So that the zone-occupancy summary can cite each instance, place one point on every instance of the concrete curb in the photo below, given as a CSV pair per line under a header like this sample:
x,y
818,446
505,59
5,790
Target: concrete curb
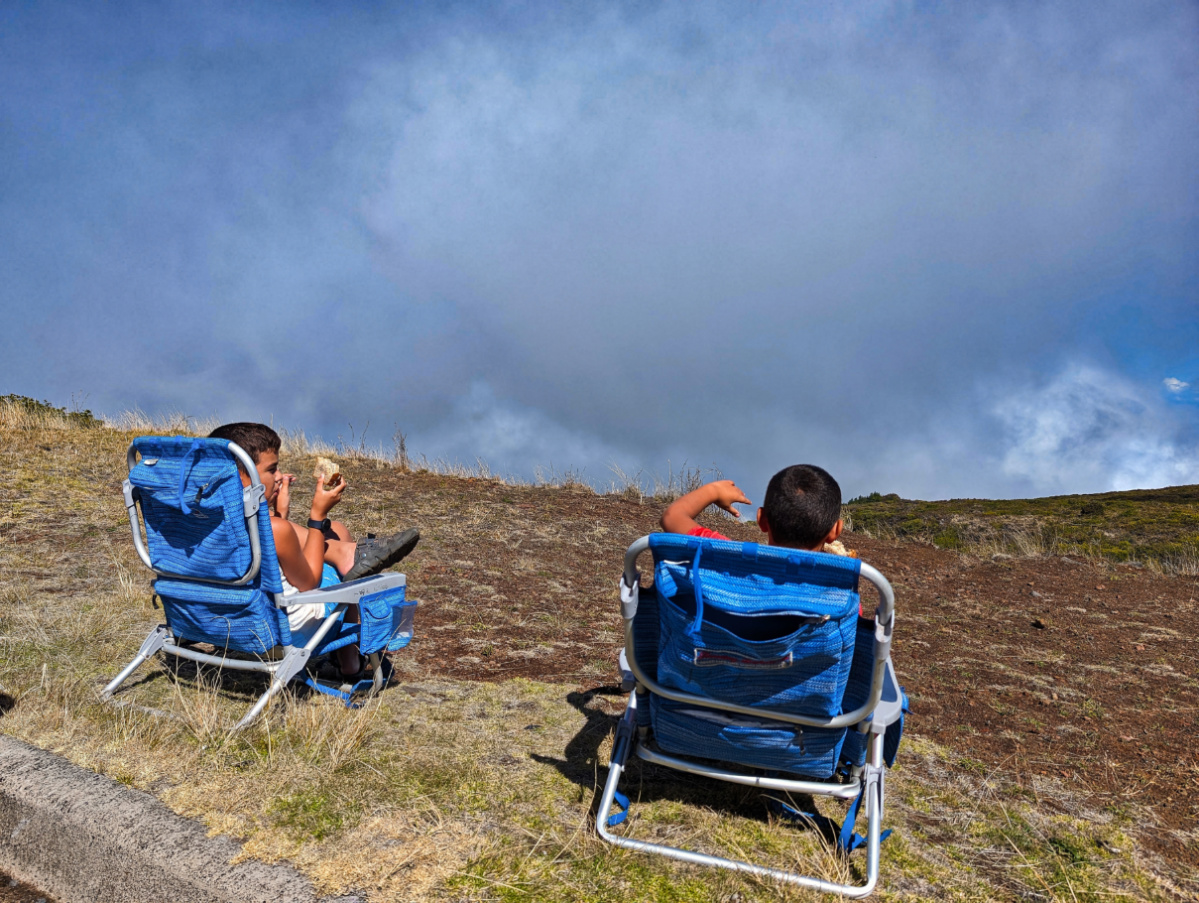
x,y
82,837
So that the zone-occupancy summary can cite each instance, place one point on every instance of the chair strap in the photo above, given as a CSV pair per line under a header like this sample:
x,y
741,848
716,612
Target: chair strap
x,y
623,801
698,590
184,471
850,839
347,698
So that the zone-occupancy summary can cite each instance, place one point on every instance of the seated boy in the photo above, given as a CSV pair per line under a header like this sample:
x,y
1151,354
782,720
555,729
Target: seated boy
x,y
802,509
320,554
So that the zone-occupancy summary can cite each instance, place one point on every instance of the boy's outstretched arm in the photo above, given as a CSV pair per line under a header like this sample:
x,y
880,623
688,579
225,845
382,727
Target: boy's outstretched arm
x,y
302,565
680,516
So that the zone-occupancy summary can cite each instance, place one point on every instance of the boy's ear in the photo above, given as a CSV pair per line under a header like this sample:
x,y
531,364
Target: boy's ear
x,y
763,523
835,532
241,472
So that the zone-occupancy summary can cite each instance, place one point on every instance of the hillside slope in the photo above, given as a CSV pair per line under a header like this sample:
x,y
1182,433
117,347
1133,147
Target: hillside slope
x,y
1154,527
1064,686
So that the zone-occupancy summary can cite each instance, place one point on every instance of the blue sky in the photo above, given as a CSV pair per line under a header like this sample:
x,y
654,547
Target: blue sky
x,y
942,250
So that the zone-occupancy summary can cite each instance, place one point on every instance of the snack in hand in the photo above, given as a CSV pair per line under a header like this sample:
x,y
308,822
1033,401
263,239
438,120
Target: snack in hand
x,y
327,473
838,548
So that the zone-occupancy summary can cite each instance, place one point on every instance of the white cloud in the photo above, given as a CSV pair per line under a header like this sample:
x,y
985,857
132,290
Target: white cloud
x,y
645,232
1174,385
767,222
514,440
1088,430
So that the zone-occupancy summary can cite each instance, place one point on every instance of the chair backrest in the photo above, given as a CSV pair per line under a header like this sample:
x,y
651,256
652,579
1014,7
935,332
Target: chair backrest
x,y
201,527
758,625
765,627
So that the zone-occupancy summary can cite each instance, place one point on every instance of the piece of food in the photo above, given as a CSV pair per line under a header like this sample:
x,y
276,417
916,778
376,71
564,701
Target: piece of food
x,y
838,548
327,473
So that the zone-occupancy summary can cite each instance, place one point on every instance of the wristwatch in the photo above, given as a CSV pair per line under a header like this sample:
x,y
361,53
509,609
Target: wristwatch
x,y
321,525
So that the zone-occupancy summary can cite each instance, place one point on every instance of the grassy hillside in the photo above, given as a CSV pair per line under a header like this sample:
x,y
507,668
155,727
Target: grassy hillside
x,y
1158,528
1048,756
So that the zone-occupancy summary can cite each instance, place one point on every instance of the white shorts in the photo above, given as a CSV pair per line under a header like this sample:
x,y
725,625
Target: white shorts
x,y
306,618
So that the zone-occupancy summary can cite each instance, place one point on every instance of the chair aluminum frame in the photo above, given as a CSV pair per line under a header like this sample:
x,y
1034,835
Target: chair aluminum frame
x,y
294,658
868,779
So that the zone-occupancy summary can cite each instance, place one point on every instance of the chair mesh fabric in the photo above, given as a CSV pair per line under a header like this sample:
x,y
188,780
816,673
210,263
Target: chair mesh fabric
x,y
195,527
383,617
646,631
857,691
241,619
209,543
768,627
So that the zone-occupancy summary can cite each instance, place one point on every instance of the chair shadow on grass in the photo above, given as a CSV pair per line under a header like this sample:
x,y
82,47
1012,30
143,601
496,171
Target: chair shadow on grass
x,y
644,782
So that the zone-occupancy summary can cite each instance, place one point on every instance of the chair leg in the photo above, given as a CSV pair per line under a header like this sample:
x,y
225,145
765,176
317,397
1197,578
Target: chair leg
x,y
622,745
875,776
292,664
375,660
150,646
626,741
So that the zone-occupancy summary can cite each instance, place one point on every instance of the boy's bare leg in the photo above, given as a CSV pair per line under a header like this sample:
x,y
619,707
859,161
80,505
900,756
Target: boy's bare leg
x,y
338,553
347,656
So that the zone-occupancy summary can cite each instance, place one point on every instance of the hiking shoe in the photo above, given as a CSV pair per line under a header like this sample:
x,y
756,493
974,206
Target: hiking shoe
x,y
329,671
374,555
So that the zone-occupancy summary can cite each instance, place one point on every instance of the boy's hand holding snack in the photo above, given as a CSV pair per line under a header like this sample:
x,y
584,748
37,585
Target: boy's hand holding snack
x,y
327,473
329,488
836,547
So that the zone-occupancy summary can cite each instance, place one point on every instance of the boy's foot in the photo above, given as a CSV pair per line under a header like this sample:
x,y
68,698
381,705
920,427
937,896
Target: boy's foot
x,y
374,555
330,672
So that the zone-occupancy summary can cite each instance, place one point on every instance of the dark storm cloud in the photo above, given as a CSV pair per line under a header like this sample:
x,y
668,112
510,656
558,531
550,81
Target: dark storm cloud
x,y
873,236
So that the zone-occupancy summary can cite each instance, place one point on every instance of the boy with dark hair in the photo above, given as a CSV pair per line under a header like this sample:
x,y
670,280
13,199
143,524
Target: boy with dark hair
x,y
802,509
323,552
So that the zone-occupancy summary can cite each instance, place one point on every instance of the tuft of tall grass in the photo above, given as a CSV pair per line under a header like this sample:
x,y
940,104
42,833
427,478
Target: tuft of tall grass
x,y
22,412
168,423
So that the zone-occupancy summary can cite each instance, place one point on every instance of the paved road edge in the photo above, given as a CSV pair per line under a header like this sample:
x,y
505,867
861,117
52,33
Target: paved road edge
x,y
83,837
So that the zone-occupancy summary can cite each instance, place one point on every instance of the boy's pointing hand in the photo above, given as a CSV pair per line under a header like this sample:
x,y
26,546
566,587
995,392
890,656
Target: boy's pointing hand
x,y
727,495
680,516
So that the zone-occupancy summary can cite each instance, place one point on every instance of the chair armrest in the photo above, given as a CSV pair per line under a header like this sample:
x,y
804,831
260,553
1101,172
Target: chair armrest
x,y
344,593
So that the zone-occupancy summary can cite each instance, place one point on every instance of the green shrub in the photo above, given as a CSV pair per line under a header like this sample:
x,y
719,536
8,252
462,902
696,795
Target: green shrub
x,y
39,410
873,497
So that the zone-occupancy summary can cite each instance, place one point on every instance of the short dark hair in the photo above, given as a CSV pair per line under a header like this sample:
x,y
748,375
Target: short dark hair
x,y
802,504
254,438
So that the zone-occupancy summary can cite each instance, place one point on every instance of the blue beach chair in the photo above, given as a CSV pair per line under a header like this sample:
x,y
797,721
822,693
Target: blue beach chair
x,y
750,664
209,541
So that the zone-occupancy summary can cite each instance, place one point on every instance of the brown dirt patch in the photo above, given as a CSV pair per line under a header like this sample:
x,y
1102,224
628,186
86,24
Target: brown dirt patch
x,y
522,582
